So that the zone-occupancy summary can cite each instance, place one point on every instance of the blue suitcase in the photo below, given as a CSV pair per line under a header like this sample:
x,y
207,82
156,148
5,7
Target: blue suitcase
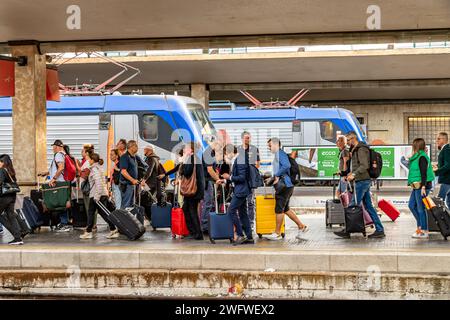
x,y
161,216
220,224
32,215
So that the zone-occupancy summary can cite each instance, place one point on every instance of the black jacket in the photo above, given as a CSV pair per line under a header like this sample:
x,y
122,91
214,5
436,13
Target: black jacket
x,y
187,170
151,176
444,165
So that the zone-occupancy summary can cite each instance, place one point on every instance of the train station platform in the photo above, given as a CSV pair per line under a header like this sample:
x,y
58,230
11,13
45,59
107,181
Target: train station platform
x,y
318,266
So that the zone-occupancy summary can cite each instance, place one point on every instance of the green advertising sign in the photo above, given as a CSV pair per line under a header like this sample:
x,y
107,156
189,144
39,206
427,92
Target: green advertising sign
x,y
388,155
327,161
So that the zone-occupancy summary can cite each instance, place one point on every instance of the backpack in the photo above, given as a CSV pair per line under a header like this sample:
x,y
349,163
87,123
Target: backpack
x,y
254,177
70,170
375,163
294,171
142,167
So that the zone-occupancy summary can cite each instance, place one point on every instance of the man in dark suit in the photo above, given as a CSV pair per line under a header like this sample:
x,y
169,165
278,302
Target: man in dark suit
x,y
240,179
442,170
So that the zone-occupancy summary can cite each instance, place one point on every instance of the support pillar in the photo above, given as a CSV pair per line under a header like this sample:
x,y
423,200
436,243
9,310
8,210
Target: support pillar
x,y
29,116
200,92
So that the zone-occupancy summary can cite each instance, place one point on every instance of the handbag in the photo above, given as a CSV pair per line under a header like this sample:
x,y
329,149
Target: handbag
x,y
188,186
255,178
10,187
280,187
85,187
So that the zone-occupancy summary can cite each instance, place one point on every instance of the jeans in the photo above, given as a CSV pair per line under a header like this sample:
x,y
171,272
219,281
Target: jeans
x,y
190,210
8,216
417,208
208,205
238,204
117,195
444,193
93,209
251,207
64,216
127,197
362,189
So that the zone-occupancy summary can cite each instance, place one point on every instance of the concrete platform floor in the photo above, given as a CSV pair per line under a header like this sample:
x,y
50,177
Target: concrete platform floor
x,y
320,266
318,238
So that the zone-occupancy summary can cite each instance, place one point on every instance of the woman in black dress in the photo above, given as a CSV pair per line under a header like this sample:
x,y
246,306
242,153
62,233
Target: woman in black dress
x,y
190,203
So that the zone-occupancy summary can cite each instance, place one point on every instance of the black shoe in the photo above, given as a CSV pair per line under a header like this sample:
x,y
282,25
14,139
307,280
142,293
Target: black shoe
x,y
200,237
342,234
377,234
16,242
249,241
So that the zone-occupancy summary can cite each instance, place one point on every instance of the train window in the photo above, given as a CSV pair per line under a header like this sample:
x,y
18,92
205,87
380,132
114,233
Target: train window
x,y
149,129
329,131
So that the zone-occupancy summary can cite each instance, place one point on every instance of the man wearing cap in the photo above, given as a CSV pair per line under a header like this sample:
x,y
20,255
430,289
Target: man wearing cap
x,y
56,174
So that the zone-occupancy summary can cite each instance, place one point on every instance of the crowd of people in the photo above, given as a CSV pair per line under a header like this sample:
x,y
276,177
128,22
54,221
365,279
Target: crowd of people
x,y
225,172
353,171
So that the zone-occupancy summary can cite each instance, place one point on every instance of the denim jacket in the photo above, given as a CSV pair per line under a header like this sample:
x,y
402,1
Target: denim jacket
x,y
281,167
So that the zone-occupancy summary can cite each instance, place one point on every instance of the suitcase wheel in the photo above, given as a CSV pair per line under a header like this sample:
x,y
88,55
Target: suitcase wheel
x,y
231,240
154,229
283,235
260,235
328,225
212,241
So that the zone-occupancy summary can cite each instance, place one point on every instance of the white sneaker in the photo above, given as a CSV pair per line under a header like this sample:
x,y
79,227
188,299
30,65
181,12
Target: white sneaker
x,y
415,235
274,237
300,234
423,236
113,234
86,235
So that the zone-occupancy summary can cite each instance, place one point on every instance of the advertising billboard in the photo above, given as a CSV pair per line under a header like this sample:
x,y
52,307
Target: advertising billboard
x,y
320,162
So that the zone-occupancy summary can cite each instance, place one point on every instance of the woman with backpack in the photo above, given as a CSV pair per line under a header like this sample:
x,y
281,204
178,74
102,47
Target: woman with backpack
x,y
98,192
420,179
9,189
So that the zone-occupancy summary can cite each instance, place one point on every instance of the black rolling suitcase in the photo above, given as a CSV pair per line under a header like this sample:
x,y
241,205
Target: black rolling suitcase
x,y
440,214
125,221
334,210
23,223
137,210
78,213
354,219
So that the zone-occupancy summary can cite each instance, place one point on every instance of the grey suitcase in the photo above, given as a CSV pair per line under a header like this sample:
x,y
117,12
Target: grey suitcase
x,y
334,210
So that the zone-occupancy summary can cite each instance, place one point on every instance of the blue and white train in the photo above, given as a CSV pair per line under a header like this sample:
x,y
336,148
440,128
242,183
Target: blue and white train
x,y
148,119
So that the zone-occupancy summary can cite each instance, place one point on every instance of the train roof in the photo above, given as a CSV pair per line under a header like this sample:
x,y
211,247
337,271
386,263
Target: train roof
x,y
96,104
288,114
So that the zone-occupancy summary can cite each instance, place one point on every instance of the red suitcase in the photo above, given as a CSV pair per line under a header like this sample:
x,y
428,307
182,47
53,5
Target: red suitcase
x,y
179,227
388,208
178,221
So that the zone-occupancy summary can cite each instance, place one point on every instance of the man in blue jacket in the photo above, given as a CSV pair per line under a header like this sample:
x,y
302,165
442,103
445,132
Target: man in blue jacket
x,y
240,179
281,169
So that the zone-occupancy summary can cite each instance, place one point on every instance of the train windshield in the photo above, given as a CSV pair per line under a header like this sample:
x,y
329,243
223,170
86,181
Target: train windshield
x,y
201,120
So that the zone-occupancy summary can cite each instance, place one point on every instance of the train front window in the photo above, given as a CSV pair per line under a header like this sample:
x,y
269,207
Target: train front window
x,y
149,127
201,119
329,131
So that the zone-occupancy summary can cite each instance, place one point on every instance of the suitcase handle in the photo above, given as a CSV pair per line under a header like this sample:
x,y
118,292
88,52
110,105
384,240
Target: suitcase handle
x,y
216,200
102,207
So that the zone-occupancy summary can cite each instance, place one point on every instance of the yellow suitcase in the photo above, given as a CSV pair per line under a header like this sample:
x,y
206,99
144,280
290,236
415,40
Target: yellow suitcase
x,y
265,216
